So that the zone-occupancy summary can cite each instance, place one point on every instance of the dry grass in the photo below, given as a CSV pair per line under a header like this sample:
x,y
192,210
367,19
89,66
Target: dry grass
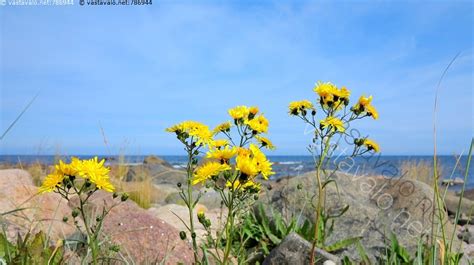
x,y
141,190
419,170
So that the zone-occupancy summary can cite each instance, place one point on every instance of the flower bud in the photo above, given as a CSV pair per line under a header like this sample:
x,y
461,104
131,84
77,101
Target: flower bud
x,y
207,223
115,195
193,235
182,235
179,184
87,183
124,197
114,248
65,219
75,213
313,112
299,186
201,215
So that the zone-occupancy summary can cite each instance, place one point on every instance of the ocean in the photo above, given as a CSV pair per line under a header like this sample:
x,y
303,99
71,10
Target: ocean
x,y
389,166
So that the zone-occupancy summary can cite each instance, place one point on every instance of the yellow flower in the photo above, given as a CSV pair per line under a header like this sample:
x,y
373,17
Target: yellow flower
x,y
97,173
297,107
258,124
208,170
246,165
371,111
263,166
51,182
239,112
265,142
223,155
326,91
218,143
200,132
103,183
71,169
223,127
371,145
343,93
253,110
248,185
331,96
333,123
364,105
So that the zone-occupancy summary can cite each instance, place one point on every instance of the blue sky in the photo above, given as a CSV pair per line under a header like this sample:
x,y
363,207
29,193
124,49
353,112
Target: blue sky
x,y
136,70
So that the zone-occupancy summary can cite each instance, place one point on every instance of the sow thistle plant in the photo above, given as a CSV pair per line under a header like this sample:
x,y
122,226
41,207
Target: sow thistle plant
x,y
232,166
335,116
81,179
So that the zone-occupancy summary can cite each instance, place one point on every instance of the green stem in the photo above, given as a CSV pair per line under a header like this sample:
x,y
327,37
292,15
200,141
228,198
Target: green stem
x,y
320,198
190,203
92,241
228,229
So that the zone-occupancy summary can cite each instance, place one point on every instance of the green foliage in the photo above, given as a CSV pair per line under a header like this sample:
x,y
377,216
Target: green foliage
x,y
259,232
30,249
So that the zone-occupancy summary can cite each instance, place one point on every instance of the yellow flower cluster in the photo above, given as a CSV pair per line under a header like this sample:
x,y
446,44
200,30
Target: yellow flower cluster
x,y
244,164
297,107
331,96
248,116
247,185
364,105
200,132
252,161
92,170
209,170
333,123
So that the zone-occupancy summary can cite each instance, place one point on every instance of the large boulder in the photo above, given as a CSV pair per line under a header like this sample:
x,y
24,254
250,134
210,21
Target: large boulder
x,y
23,210
465,209
209,197
142,237
378,207
160,171
296,250
174,214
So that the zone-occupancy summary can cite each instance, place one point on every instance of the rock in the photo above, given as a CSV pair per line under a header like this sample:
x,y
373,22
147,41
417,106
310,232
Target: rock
x,y
160,171
142,237
452,182
209,197
169,212
466,234
296,250
377,208
41,212
154,160
469,194
451,202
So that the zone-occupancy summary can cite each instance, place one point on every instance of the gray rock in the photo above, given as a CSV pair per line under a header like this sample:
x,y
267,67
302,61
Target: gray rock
x,y
159,170
296,250
377,208
467,234
209,197
451,202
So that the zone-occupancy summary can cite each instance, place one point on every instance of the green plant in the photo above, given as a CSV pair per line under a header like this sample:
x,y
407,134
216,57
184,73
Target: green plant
x,y
79,180
336,118
30,249
232,169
